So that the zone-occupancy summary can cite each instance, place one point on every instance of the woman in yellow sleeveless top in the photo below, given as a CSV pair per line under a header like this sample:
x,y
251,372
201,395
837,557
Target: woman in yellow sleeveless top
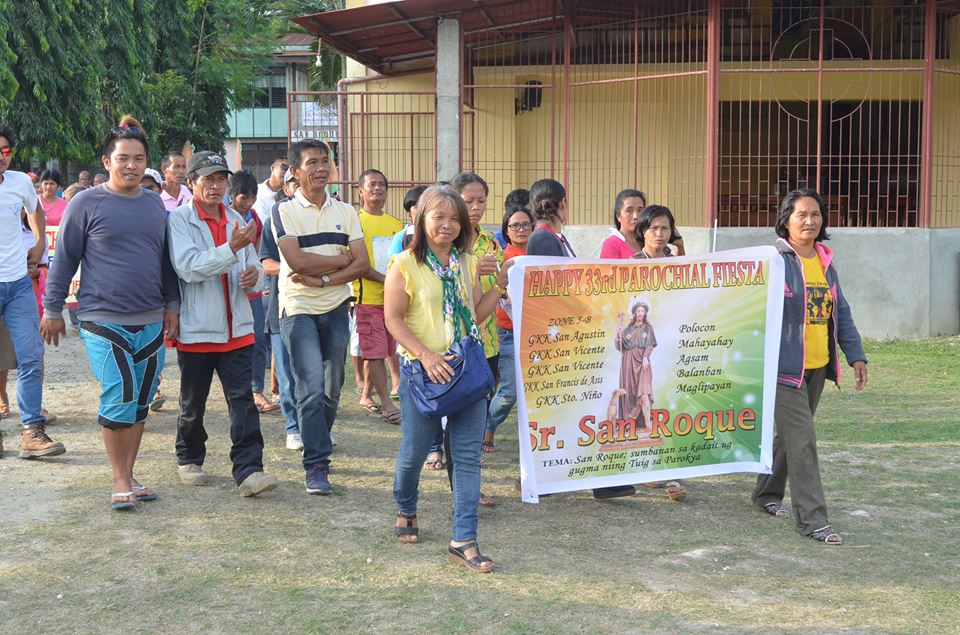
x,y
425,309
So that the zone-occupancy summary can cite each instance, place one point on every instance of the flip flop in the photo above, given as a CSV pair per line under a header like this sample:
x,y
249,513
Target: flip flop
x,y
266,408
372,408
157,403
436,463
391,417
140,491
122,505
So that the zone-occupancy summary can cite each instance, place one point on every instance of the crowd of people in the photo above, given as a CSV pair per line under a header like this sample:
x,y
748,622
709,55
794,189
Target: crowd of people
x,y
238,275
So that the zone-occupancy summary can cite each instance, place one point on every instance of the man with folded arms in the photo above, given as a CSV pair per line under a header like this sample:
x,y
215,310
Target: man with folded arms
x,y
212,253
321,252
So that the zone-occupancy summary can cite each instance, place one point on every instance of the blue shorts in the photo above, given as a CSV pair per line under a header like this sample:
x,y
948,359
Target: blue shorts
x,y
126,360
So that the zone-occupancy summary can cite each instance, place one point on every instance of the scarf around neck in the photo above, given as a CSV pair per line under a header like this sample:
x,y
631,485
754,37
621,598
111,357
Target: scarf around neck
x,y
456,315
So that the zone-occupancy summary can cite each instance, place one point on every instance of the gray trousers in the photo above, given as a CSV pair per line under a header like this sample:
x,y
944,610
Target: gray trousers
x,y
795,454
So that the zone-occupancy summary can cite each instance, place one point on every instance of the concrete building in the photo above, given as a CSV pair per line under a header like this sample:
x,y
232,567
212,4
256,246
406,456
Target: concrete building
x,y
259,132
715,108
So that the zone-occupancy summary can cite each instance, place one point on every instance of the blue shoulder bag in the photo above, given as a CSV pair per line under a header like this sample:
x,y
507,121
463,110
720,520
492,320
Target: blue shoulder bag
x,y
472,378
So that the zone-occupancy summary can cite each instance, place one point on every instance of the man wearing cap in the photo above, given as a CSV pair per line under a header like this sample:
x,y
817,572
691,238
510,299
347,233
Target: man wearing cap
x,y
152,180
212,253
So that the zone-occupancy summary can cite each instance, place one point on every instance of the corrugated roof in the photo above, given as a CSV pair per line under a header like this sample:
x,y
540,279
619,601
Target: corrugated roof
x,y
395,36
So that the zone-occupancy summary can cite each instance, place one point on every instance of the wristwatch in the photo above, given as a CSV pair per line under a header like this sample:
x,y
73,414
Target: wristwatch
x,y
325,279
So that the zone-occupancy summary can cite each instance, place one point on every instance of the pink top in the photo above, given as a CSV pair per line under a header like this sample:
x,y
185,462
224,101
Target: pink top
x,y
53,212
615,247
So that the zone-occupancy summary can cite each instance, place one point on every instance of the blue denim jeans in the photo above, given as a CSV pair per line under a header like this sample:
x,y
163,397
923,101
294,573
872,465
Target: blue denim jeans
x,y
506,396
261,348
18,308
288,397
465,433
314,342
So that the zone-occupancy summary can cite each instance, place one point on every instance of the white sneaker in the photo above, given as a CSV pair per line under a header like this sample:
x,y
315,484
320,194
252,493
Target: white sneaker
x,y
191,474
333,442
294,442
258,483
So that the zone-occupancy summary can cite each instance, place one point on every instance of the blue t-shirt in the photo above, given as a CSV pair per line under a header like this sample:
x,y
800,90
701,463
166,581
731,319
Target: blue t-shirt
x,y
396,245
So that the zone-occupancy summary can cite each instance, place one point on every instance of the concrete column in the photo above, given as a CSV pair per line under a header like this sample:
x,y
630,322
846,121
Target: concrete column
x,y
449,102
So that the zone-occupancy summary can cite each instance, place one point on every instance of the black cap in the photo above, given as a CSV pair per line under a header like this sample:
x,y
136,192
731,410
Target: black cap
x,y
206,163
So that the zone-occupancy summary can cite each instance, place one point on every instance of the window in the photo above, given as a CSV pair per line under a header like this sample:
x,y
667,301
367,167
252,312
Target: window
x,y
271,89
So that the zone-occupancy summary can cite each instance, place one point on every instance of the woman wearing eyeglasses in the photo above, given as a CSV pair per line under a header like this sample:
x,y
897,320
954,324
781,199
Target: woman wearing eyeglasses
x,y
517,226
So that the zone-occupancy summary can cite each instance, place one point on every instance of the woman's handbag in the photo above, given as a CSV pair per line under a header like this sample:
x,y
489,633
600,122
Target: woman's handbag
x,y
472,378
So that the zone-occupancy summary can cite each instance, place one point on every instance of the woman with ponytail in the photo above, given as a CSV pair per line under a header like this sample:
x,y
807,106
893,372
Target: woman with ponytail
x,y
549,201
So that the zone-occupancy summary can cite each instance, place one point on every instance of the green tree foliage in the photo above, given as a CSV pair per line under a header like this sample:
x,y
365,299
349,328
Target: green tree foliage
x,y
70,68
323,76
8,83
128,48
57,44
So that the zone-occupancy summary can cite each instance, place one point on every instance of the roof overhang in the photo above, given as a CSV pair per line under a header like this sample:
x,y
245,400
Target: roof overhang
x,y
391,37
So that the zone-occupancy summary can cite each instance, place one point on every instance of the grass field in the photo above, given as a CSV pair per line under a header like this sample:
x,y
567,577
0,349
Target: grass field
x,y
206,560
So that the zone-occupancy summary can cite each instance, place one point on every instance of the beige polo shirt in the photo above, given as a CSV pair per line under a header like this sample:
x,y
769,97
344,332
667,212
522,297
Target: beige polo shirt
x,y
325,231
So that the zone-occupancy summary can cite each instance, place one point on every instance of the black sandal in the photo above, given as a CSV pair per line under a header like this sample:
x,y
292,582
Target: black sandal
x,y
478,564
827,536
407,533
776,509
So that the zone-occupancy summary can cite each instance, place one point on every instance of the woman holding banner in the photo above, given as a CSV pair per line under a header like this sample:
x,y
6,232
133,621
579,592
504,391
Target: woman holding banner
x,y
622,241
548,198
425,309
656,230
653,227
816,320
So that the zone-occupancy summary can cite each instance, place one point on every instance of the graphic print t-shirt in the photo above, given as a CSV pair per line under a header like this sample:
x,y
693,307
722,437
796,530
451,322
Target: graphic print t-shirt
x,y
819,313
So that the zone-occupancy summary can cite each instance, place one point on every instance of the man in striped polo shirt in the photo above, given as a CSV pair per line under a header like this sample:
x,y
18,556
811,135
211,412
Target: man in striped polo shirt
x,y
321,253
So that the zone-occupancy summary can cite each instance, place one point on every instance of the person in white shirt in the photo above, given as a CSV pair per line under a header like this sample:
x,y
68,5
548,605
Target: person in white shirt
x,y
267,191
18,304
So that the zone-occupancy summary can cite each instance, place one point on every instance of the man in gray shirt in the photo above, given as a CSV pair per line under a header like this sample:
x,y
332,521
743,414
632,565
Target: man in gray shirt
x,y
128,297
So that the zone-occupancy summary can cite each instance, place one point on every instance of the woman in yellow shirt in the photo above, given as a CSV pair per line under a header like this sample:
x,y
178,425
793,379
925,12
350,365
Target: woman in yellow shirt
x,y
816,321
425,309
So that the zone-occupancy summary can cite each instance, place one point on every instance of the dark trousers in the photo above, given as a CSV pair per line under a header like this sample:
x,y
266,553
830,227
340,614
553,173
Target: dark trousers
x,y
234,369
795,454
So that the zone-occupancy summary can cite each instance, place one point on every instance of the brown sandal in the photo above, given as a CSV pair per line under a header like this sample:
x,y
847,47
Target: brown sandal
x,y
487,446
407,533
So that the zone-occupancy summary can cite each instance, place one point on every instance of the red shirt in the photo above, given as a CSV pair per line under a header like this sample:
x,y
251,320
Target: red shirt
x,y
218,229
503,320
